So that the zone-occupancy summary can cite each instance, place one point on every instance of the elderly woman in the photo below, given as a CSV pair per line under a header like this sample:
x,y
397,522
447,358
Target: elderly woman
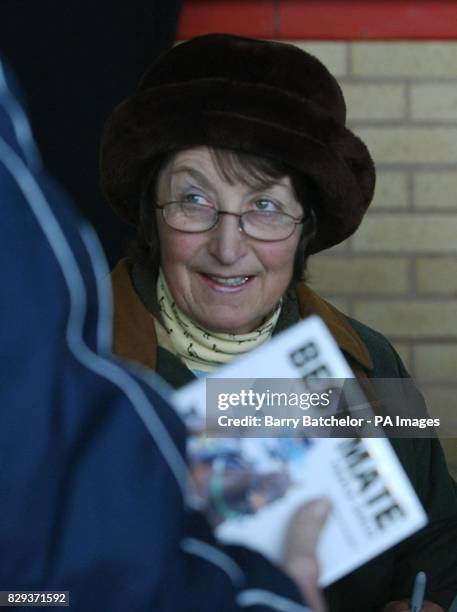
x,y
234,163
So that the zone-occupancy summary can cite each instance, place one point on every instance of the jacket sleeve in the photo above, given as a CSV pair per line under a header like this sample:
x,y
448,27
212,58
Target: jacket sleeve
x,y
92,467
434,548
260,583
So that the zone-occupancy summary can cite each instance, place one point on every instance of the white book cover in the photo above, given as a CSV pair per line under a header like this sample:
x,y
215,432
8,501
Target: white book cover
x,y
249,487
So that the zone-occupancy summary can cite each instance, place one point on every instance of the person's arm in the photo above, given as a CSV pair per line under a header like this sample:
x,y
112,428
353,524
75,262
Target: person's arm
x,y
434,548
295,580
404,605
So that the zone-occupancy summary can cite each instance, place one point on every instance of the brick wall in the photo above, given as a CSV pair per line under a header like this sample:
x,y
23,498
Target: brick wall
x,y
398,273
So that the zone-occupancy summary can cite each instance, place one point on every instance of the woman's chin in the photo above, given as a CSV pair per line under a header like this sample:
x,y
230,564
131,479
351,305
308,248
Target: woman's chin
x,y
229,324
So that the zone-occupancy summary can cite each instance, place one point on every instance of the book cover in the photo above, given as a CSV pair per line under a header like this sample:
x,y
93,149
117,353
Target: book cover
x,y
249,479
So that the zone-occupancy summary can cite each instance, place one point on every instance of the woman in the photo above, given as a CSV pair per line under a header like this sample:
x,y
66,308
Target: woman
x,y
234,163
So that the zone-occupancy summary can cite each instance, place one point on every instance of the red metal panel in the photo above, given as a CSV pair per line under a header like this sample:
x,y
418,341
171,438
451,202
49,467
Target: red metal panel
x,y
358,19
322,19
245,17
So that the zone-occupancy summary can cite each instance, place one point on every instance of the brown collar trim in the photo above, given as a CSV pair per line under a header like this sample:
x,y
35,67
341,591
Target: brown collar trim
x,y
135,337
134,334
345,335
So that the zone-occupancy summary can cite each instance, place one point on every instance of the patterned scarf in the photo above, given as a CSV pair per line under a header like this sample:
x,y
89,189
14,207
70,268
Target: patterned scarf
x,y
199,348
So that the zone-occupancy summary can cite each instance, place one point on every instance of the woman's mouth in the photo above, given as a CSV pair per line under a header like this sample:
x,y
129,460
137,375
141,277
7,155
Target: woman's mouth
x,y
226,283
231,281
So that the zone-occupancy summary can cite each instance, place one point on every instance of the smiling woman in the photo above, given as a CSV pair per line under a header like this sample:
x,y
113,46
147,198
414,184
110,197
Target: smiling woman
x,y
222,276
234,163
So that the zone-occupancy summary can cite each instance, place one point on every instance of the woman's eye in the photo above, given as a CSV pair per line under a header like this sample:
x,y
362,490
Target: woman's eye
x,y
194,198
264,204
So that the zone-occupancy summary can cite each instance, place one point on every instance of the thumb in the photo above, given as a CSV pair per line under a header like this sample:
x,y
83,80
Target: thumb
x,y
305,528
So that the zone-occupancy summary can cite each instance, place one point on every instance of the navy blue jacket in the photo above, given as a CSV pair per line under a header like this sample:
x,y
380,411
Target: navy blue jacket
x,y
92,466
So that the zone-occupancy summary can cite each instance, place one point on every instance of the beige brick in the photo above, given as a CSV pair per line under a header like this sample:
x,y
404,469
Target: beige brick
x,y
332,54
370,102
441,404
436,361
391,190
434,102
411,145
436,275
409,59
435,189
419,319
402,233
347,276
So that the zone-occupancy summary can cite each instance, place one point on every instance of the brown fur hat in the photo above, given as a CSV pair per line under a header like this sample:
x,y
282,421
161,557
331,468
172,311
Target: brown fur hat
x,y
266,98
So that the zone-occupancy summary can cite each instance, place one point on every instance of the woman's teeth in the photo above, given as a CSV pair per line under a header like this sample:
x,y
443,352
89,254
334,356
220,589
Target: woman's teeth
x,y
234,281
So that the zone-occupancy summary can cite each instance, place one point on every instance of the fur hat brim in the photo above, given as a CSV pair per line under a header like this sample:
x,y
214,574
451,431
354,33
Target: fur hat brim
x,y
252,117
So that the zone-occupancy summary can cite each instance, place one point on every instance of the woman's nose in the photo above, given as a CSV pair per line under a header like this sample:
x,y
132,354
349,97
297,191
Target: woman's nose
x,y
228,243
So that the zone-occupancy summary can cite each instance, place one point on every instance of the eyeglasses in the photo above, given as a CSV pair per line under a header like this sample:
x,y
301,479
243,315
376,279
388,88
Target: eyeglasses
x,y
194,218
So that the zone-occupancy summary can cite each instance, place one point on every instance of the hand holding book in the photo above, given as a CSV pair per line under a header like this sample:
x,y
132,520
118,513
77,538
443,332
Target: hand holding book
x,y
300,551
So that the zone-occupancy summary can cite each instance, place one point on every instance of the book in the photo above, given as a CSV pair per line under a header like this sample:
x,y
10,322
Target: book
x,y
250,478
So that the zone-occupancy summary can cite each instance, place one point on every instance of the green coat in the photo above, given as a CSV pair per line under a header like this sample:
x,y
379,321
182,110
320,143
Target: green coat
x,y
391,575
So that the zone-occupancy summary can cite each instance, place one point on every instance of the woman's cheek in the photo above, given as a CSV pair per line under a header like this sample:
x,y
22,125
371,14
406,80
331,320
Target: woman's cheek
x,y
178,247
279,256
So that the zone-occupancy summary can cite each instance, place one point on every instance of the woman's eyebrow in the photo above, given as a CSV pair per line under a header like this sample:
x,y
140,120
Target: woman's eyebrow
x,y
259,185
196,174
267,185
276,190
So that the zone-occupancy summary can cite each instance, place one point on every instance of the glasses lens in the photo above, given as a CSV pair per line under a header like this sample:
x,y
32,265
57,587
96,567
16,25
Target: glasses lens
x,y
265,225
189,217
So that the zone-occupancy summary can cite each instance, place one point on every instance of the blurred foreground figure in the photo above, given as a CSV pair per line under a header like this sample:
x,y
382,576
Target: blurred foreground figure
x,y
93,472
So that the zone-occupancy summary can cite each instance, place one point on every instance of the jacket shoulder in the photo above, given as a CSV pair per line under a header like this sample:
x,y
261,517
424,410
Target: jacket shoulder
x,y
386,361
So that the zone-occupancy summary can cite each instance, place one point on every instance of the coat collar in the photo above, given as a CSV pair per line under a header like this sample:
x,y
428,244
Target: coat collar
x,y
344,334
134,334
135,337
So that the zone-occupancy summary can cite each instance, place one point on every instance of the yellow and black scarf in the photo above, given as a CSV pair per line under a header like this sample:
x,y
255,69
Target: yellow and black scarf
x,y
200,348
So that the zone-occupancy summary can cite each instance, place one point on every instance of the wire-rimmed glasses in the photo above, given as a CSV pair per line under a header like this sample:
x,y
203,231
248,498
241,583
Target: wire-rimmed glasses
x,y
194,218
